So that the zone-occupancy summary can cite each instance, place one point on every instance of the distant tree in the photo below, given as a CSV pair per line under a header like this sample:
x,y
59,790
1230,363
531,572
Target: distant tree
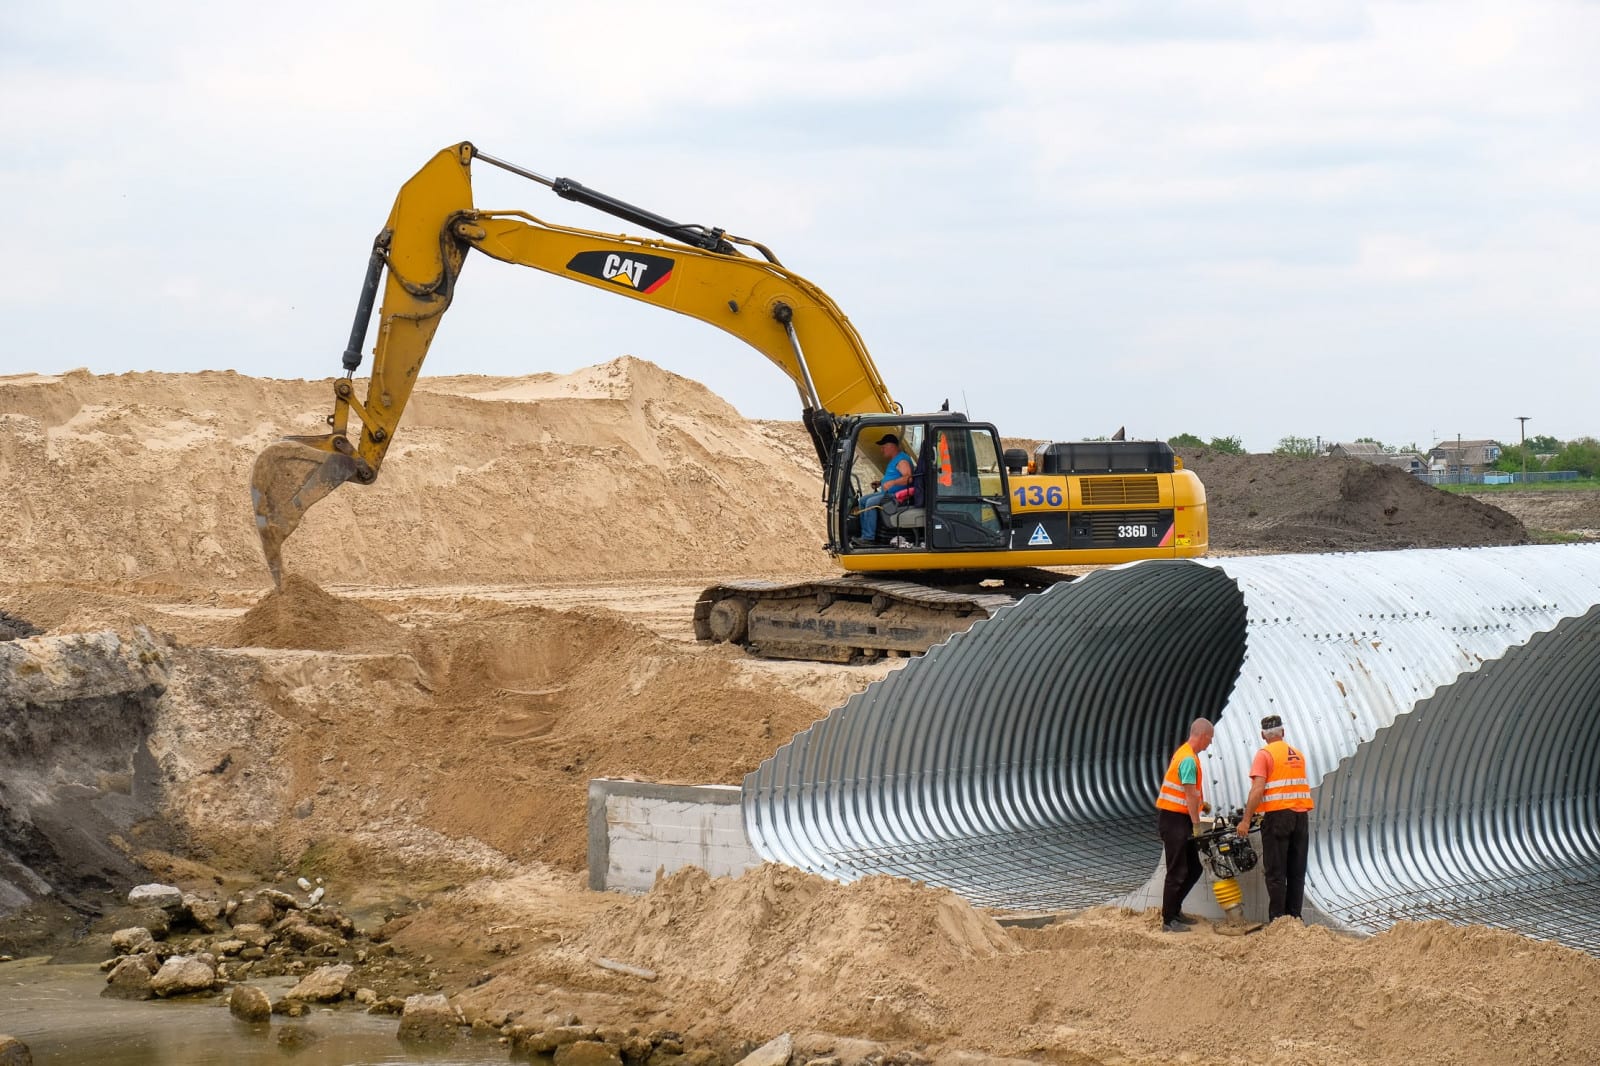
x,y
1227,445
1582,455
1186,442
1297,447
1511,458
1543,444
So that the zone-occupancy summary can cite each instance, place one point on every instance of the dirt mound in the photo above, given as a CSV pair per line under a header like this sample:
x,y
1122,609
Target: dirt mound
x,y
301,615
620,469
892,960
859,957
1274,503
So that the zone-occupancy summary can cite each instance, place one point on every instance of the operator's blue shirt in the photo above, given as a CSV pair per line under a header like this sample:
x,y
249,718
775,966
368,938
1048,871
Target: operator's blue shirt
x,y
899,471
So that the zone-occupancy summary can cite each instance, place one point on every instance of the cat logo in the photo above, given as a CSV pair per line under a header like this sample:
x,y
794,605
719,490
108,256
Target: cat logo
x,y
639,272
1039,537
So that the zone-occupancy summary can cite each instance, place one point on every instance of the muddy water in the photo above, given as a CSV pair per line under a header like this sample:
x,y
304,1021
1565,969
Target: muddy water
x,y
57,1011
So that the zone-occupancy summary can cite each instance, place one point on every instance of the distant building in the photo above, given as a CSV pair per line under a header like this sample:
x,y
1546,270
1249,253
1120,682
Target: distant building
x,y
1410,462
1368,452
1361,449
1466,459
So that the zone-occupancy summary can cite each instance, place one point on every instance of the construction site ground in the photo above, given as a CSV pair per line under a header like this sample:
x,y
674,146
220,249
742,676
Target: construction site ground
x,y
505,615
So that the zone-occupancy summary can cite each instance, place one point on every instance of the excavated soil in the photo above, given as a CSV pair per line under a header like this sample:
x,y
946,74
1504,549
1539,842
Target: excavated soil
x,y
459,648
779,950
1277,504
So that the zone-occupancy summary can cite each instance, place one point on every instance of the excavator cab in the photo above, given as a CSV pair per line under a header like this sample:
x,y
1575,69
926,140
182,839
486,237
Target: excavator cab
x,y
959,497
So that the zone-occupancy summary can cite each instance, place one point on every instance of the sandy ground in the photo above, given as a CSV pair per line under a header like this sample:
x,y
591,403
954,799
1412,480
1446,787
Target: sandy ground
x,y
461,647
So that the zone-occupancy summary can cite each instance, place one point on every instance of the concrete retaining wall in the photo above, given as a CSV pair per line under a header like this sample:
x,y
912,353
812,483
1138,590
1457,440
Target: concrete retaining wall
x,y
637,828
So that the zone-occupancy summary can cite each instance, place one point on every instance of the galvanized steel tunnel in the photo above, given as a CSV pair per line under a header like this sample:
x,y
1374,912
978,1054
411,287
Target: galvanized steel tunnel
x,y
1448,703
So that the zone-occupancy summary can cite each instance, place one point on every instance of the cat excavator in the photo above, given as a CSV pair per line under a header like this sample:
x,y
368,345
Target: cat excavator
x,y
971,533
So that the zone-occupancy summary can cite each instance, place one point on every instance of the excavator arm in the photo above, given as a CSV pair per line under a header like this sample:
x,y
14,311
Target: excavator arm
x,y
419,255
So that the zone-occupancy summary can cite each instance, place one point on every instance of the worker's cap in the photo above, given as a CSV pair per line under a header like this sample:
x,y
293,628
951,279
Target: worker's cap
x,y
888,438
1271,721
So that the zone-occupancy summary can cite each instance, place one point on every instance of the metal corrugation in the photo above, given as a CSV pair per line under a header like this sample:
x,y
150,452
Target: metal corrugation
x,y
1481,805
1018,762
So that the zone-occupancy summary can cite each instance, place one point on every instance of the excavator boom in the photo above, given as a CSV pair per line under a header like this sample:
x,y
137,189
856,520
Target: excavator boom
x,y
419,254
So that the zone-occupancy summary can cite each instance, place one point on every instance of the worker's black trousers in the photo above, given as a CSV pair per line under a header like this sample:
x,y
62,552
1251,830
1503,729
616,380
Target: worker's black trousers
x,y
1285,840
1183,860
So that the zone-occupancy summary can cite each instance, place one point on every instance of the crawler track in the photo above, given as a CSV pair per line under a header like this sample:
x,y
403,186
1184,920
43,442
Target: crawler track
x,y
855,617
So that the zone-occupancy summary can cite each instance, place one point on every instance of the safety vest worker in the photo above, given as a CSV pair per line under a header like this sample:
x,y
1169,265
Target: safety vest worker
x,y
1172,797
1287,787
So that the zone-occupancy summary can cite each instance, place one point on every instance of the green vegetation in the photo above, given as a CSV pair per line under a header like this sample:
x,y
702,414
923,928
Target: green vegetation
x,y
1191,442
1297,447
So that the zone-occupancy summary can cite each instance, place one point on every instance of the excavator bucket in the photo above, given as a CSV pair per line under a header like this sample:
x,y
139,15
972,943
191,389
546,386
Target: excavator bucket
x,y
288,477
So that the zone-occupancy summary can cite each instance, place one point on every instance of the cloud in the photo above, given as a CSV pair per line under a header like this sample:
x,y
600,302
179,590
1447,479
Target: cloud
x,y
1174,215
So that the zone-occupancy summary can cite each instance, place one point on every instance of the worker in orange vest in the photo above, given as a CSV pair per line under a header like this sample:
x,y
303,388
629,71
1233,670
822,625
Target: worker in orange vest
x,y
1178,808
1281,792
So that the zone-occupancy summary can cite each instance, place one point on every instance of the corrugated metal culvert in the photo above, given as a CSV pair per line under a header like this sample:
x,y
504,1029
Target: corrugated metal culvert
x,y
1448,703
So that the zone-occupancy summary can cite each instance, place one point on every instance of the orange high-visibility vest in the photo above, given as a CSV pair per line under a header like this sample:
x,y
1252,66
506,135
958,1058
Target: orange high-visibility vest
x,y
1287,787
946,469
1172,797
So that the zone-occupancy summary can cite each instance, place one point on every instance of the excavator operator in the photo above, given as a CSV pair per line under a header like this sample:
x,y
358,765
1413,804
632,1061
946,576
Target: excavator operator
x,y
896,476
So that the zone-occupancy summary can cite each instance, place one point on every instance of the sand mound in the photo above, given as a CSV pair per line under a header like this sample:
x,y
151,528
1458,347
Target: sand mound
x,y
620,469
876,955
1273,503
301,615
891,960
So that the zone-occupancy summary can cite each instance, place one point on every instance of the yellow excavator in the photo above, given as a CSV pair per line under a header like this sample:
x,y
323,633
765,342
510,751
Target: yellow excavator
x,y
969,533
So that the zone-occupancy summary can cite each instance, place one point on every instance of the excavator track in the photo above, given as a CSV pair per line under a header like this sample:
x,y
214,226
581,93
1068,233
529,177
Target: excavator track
x,y
856,617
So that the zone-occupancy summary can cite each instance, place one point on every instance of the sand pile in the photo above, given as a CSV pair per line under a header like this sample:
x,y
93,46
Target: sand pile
x,y
1273,503
301,615
620,469
778,950
389,725
877,956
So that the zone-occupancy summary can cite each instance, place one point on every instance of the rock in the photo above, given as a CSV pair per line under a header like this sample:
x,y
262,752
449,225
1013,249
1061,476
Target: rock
x,y
635,1049
230,947
166,897
291,1008
305,936
316,896
184,975
428,1018
366,997
254,911
129,979
249,1003
305,886
253,952
587,1053
158,921
775,1052
281,900
205,913
132,941
253,935
530,1041
325,984
14,1052
296,1038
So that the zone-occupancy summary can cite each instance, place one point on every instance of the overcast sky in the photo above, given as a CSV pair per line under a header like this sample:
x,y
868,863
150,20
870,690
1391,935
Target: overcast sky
x,y
1257,219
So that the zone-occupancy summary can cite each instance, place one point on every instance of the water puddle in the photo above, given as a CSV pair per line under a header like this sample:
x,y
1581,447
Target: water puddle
x,y
57,1011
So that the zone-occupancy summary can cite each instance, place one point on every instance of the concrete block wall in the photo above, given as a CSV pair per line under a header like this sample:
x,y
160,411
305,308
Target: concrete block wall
x,y
637,828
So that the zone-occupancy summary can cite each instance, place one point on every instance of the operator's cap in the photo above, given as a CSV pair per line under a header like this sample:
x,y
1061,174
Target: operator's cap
x,y
1271,721
888,438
